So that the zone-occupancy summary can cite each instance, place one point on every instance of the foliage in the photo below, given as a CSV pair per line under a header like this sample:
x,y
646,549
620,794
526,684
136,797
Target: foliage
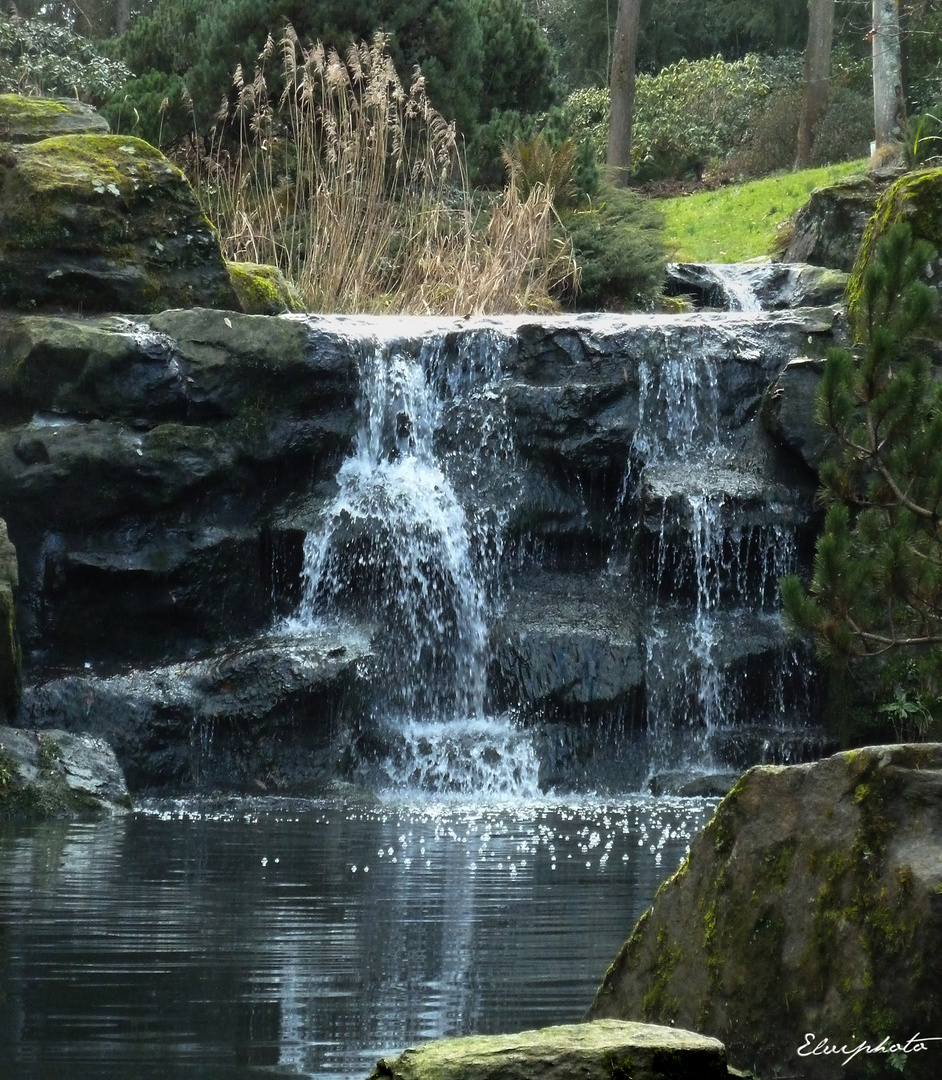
x,y
740,221
37,57
519,70
484,153
347,185
771,145
693,113
619,247
580,32
874,602
155,107
922,136
536,164
845,129
475,55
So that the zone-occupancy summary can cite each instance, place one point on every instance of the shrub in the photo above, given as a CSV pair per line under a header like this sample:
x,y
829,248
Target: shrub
x,y
846,128
874,603
772,145
37,57
689,115
155,107
618,244
692,113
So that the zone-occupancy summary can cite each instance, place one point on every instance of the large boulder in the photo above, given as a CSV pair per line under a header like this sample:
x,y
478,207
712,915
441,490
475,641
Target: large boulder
x,y
829,227
605,1050
808,914
54,773
104,223
262,715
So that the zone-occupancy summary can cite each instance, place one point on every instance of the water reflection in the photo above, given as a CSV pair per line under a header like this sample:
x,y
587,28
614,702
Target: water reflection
x,y
261,938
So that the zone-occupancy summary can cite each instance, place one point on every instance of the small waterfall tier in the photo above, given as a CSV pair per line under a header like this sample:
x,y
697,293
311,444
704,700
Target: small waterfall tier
x,y
566,537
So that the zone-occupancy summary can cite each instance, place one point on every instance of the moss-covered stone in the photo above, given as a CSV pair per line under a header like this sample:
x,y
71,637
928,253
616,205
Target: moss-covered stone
x,y
29,119
915,198
56,773
604,1050
807,905
104,223
263,289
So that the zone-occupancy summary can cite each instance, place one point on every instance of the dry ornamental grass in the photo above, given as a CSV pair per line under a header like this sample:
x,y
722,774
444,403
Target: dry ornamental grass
x,y
352,185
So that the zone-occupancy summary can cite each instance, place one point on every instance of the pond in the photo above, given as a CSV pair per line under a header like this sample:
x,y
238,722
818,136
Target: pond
x,y
252,938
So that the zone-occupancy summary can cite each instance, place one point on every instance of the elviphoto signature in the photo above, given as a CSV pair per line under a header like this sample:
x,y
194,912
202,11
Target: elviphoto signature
x,y
914,1045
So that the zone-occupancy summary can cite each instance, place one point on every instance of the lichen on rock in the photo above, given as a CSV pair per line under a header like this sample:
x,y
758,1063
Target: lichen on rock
x,y
104,223
29,119
810,903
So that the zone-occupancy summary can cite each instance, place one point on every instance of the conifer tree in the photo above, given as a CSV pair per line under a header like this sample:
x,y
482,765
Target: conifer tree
x,y
874,604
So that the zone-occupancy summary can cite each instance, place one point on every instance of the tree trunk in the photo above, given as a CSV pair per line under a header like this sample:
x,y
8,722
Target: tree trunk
x,y
888,107
618,159
814,90
122,16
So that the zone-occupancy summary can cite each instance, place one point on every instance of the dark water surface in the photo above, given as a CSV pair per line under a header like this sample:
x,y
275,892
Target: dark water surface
x,y
258,939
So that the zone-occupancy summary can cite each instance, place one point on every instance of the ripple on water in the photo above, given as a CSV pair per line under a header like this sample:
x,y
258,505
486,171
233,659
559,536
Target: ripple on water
x,y
208,939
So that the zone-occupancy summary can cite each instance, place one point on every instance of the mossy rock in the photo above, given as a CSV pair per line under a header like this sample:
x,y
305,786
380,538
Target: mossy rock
x,y
915,198
58,774
810,903
29,119
263,289
605,1050
827,230
104,223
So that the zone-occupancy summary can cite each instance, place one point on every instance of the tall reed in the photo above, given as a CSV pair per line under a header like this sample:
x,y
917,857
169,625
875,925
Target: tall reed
x,y
351,184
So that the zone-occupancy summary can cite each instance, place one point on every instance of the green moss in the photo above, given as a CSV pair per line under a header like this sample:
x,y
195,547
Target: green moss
x,y
22,112
657,1004
263,289
915,198
624,1069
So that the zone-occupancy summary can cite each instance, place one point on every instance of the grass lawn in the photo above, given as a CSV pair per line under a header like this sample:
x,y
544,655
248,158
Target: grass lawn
x,y
738,222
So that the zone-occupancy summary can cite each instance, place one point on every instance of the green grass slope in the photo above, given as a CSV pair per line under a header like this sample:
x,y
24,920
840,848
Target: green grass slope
x,y
739,222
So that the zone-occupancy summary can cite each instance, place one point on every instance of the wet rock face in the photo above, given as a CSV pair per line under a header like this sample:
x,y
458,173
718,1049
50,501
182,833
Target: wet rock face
x,y
604,1050
10,660
99,222
810,903
262,716
143,473
161,474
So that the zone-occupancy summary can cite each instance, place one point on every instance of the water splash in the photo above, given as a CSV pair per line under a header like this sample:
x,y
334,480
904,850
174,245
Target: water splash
x,y
397,548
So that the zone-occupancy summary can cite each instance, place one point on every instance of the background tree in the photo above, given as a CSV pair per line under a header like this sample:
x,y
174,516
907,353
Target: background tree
x,y
816,75
618,157
889,108
874,604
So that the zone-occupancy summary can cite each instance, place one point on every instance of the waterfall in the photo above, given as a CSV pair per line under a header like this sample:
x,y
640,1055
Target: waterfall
x,y
398,549
719,555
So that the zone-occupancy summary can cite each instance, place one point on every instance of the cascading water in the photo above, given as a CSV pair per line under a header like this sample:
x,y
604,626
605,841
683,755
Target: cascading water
x,y
712,581
397,549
